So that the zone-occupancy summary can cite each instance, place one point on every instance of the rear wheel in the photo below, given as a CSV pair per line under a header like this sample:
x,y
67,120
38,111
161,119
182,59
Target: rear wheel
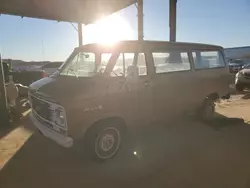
x,y
104,140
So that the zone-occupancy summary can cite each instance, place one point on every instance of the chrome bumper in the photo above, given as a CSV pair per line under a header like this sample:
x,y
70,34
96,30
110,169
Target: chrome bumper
x,y
62,140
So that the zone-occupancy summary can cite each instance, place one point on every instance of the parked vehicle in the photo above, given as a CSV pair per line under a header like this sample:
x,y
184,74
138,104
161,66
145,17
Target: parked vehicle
x,y
101,93
236,65
50,68
242,78
27,77
12,93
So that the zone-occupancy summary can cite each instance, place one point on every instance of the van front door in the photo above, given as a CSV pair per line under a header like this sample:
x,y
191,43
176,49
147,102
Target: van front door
x,y
142,91
134,88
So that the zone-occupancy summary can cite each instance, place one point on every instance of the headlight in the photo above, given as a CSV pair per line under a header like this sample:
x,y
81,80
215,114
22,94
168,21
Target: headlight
x,y
60,117
239,74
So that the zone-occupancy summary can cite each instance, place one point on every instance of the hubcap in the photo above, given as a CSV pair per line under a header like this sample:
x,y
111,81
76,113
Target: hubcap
x,y
107,143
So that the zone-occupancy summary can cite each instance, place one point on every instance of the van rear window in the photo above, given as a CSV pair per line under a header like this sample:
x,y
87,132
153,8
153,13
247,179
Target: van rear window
x,y
208,59
171,62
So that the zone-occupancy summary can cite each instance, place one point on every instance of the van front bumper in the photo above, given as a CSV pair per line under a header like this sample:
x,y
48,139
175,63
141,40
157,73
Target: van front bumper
x,y
62,140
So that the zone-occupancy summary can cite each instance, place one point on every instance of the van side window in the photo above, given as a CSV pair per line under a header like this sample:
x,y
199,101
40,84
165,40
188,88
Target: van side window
x,y
141,64
171,62
209,59
125,60
104,62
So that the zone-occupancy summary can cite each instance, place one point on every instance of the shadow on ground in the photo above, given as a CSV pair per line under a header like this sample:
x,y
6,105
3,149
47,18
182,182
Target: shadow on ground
x,y
15,123
6,129
221,122
246,95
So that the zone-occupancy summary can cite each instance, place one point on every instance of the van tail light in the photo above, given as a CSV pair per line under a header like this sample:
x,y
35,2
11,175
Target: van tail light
x,y
43,74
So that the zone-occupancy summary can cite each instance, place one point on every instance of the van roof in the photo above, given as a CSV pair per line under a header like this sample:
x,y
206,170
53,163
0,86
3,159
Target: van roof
x,y
153,45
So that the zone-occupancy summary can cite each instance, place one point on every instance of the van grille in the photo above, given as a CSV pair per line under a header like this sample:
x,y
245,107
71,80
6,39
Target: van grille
x,y
42,108
44,113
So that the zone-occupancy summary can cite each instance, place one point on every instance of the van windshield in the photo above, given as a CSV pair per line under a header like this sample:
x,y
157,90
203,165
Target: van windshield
x,y
80,65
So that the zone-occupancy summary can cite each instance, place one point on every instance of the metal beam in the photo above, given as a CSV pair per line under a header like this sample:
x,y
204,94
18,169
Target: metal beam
x,y
140,19
172,20
80,34
76,11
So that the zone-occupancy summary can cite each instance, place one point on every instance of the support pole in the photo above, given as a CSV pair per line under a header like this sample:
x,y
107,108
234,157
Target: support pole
x,y
172,20
80,34
140,26
4,115
175,57
140,19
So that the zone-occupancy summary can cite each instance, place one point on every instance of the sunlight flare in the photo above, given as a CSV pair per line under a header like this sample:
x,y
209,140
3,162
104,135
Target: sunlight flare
x,y
108,30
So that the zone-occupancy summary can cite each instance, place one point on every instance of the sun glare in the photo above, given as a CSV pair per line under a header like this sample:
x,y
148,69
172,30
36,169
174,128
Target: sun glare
x,y
108,31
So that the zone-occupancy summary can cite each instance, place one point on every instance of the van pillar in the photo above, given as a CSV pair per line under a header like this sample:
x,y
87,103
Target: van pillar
x,y
4,115
80,34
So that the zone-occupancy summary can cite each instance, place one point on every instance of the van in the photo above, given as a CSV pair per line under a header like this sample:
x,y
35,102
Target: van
x,y
101,93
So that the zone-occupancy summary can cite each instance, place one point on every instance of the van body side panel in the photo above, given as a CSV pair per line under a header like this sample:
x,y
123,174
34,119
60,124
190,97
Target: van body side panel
x,y
110,97
173,94
208,81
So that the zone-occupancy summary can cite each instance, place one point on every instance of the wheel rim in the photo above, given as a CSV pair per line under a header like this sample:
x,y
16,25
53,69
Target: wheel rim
x,y
107,143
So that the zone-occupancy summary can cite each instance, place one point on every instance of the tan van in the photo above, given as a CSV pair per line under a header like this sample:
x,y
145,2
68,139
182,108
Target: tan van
x,y
102,92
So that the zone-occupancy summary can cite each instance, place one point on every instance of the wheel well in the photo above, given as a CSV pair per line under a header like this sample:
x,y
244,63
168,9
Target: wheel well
x,y
108,119
213,96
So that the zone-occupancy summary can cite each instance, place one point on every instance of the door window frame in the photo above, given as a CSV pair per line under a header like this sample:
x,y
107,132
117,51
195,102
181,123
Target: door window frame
x,y
190,59
115,55
209,50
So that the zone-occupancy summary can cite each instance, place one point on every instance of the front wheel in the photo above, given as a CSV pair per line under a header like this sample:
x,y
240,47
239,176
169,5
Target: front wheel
x,y
104,140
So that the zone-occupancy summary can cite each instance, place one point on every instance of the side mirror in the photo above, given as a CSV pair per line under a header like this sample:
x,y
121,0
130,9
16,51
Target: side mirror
x,y
83,55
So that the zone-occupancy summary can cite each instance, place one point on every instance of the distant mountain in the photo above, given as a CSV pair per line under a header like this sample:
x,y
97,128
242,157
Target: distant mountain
x,y
19,64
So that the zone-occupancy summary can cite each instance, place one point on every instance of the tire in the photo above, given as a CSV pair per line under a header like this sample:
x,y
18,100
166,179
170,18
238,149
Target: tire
x,y
104,140
239,87
207,111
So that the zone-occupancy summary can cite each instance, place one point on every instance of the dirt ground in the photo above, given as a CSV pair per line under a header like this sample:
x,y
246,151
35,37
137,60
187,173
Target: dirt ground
x,y
184,154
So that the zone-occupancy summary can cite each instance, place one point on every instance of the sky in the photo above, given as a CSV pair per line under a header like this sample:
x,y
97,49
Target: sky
x,y
221,22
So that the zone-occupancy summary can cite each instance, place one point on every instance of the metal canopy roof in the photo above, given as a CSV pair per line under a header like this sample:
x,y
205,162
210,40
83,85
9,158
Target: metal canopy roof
x,y
81,11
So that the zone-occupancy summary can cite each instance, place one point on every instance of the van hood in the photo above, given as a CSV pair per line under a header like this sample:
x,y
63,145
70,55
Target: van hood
x,y
35,86
245,71
59,89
